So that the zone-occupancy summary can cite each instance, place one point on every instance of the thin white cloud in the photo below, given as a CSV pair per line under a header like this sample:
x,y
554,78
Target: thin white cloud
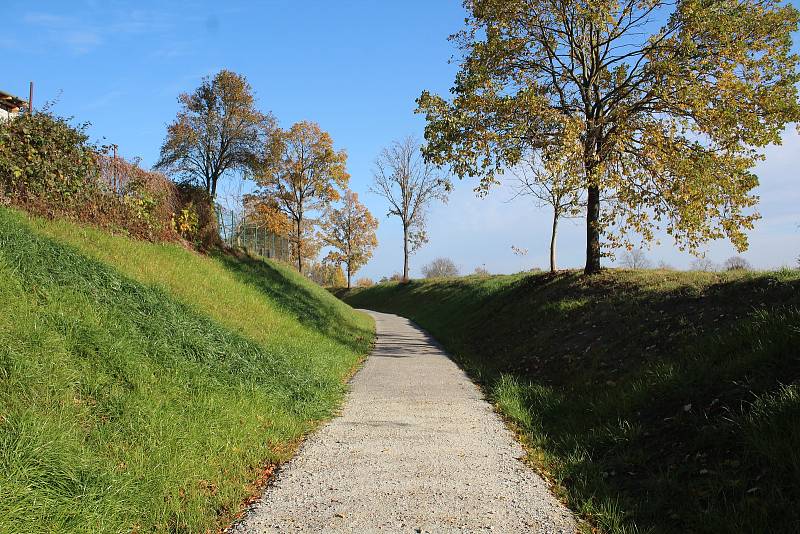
x,y
63,31
9,43
83,34
50,20
82,41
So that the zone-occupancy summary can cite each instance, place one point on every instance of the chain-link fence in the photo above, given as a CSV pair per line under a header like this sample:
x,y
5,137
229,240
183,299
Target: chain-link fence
x,y
238,230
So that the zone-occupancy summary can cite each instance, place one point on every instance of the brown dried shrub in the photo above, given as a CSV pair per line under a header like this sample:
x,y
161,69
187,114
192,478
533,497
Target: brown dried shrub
x,y
49,168
196,204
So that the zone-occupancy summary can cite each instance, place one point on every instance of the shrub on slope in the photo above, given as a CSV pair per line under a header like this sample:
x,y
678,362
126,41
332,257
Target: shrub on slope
x,y
49,167
655,401
128,405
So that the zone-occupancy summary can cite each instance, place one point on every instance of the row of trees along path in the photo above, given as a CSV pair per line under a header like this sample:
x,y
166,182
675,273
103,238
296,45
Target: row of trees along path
x,y
642,115
299,175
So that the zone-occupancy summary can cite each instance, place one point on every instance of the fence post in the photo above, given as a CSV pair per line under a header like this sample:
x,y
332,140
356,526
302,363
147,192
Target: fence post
x,y
114,170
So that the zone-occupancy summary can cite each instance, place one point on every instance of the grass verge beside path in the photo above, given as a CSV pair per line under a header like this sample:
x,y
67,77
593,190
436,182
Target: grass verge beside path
x,y
654,401
143,387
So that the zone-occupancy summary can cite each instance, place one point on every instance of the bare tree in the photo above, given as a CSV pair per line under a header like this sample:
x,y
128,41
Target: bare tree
x,y
551,180
481,270
635,259
440,268
409,184
703,264
737,263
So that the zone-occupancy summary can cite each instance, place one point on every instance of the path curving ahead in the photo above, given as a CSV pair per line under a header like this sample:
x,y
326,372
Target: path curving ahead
x,y
416,449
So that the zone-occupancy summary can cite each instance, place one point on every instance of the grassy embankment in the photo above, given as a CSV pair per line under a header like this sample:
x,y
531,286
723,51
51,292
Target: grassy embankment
x,y
654,401
144,387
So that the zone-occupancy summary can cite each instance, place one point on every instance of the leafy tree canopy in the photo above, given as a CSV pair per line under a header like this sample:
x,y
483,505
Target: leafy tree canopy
x,y
350,232
665,104
217,130
299,176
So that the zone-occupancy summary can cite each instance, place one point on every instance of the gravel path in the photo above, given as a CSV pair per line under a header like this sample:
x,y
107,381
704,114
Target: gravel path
x,y
416,449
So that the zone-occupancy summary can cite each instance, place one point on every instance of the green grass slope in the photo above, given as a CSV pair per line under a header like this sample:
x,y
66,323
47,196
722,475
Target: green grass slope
x,y
654,401
143,387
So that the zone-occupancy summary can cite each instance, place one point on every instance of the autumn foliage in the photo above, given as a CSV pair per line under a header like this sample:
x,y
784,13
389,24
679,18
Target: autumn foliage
x,y
663,105
350,232
299,176
217,131
48,167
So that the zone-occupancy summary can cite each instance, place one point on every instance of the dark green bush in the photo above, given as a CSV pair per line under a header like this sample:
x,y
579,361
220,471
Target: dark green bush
x,y
46,161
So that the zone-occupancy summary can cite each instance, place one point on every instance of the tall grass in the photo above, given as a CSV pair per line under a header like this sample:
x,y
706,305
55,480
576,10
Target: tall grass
x,y
652,401
266,301
134,394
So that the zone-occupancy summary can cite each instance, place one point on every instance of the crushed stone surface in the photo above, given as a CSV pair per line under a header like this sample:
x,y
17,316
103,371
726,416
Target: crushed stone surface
x,y
416,449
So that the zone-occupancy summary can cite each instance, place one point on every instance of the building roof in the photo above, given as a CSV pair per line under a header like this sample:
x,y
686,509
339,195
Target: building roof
x,y
10,102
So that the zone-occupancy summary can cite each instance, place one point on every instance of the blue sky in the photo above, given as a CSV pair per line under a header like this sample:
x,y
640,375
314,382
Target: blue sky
x,y
355,68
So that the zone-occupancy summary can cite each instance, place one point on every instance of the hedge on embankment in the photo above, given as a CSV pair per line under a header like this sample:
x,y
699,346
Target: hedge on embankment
x,y
48,167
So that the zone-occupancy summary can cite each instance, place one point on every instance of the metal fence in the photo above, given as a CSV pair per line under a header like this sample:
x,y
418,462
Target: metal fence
x,y
238,230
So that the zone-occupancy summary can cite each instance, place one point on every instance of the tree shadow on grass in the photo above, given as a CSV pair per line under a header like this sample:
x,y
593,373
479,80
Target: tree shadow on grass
x,y
316,309
666,402
655,386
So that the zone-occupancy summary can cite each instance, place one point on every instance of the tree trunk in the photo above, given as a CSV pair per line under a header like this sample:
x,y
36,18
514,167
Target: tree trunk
x,y
405,253
593,230
348,276
553,242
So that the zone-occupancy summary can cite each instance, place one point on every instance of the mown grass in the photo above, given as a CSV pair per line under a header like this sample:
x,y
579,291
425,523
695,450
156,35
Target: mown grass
x,y
143,387
653,401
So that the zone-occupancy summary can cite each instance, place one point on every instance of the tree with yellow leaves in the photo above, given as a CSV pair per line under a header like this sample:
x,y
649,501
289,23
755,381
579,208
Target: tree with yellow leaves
x,y
669,100
326,274
300,176
350,231
218,130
